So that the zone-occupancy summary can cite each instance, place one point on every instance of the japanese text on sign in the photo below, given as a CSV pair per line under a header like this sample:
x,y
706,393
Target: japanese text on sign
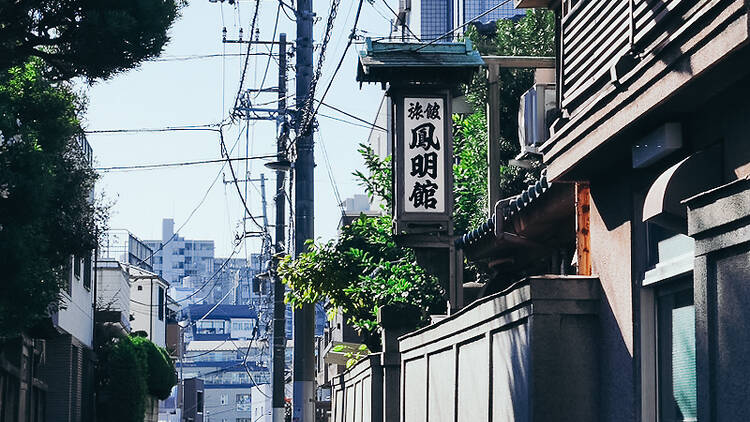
x,y
424,155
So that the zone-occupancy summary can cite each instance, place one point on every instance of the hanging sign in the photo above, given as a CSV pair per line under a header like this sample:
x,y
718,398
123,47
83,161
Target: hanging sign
x,y
424,155
423,152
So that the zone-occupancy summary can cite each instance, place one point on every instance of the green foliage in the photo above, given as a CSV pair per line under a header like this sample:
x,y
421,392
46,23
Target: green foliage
x,y
532,35
121,382
352,356
378,181
360,271
129,369
46,184
160,370
90,38
470,171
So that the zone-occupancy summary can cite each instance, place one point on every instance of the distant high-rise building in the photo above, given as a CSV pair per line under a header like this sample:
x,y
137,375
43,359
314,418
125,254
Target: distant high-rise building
x,y
176,257
431,19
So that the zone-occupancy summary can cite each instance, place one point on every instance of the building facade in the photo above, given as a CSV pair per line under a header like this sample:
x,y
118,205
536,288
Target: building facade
x,y
430,19
123,246
176,257
225,348
653,123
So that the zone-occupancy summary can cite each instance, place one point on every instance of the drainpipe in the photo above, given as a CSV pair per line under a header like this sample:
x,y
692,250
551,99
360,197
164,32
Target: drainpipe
x,y
151,309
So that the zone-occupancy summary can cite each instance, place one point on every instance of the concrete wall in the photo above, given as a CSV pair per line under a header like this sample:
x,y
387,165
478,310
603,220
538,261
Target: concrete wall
x,y
113,289
719,220
611,240
145,309
222,403
77,314
357,395
526,354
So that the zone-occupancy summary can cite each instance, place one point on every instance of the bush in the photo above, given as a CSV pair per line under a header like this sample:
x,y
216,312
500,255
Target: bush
x,y
121,382
130,369
160,370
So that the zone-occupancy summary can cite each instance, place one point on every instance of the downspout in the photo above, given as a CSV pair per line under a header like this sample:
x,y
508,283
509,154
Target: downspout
x,y
151,310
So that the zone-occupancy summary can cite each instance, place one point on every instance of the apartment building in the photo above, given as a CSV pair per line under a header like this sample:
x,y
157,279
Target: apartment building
x,y
176,257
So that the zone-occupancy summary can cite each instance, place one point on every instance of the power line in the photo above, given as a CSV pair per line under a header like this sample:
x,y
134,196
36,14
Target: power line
x,y
474,19
398,19
368,126
309,115
308,121
205,127
236,183
372,125
180,164
247,57
268,62
203,56
334,185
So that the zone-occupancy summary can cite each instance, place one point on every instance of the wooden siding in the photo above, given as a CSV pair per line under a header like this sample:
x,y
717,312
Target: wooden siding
x,y
596,34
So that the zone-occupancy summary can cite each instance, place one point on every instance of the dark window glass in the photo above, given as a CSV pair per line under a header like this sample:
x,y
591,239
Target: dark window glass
x,y
199,401
77,266
87,271
161,304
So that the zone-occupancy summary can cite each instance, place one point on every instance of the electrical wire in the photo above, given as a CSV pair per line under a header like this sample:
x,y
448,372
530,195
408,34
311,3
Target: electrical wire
x,y
397,19
247,58
192,213
371,125
211,127
157,166
332,179
268,62
474,19
306,122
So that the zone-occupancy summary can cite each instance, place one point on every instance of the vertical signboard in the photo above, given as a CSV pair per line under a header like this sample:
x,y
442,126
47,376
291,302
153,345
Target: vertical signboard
x,y
424,155
423,152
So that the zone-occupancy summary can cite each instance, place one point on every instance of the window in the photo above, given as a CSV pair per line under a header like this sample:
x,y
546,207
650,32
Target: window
x,y
68,271
77,266
243,403
199,401
668,328
676,353
87,271
161,303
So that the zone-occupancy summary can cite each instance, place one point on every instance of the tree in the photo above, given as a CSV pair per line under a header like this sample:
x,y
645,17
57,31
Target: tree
x,y
90,38
363,268
46,187
531,35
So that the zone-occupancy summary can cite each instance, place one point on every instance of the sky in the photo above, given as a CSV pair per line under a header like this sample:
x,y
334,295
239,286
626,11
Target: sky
x,y
172,91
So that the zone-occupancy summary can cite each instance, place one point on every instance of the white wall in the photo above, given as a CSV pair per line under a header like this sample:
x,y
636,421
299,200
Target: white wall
x,y
144,305
113,288
77,318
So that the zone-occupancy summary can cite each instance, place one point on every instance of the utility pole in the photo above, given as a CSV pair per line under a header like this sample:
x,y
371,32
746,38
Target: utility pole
x,y
304,318
279,308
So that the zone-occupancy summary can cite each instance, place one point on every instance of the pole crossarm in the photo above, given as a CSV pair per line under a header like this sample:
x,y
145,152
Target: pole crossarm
x,y
520,62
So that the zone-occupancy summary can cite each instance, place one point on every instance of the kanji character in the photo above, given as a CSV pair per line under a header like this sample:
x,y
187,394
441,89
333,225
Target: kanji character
x,y
423,136
423,195
424,164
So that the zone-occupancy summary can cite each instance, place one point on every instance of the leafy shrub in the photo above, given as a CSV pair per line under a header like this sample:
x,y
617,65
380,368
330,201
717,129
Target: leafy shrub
x,y
160,370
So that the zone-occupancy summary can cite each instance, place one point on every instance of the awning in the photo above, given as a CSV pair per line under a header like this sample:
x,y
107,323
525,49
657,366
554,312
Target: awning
x,y
696,173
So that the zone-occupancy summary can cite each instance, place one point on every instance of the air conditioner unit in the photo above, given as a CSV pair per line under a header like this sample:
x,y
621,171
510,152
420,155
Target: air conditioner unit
x,y
536,104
